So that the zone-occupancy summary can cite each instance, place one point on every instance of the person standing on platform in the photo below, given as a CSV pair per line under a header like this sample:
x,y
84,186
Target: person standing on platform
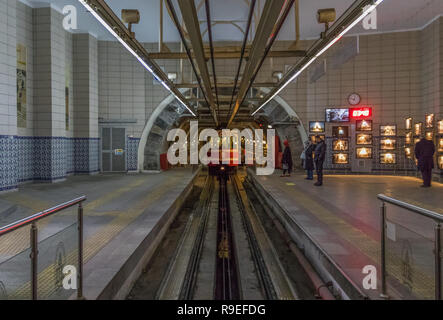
x,y
319,158
286,160
424,152
308,161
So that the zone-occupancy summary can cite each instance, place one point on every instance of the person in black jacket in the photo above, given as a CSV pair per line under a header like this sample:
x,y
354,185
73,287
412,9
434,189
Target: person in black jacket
x,y
286,160
424,152
308,163
319,158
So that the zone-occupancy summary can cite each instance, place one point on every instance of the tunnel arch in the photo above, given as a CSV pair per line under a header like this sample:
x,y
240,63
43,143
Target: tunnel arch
x,y
170,113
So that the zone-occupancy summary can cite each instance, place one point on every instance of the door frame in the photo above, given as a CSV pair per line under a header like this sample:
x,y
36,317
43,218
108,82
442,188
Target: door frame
x,y
101,148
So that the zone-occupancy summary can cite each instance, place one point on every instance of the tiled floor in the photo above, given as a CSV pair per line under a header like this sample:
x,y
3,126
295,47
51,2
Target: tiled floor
x,y
113,203
343,216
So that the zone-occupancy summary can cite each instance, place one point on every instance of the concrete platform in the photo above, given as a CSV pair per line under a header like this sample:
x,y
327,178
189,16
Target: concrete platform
x,y
338,226
124,218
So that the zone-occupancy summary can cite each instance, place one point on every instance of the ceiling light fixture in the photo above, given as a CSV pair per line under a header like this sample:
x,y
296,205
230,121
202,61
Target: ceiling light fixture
x,y
366,11
135,54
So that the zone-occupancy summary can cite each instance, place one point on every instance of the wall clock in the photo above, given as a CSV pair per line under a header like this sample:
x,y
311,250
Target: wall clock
x,y
354,99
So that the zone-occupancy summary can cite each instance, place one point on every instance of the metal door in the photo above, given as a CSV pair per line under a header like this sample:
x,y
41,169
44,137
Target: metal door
x,y
113,149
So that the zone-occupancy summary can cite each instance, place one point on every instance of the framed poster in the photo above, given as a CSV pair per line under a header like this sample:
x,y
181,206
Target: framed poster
x,y
340,158
388,144
388,158
440,144
418,128
21,86
340,145
408,152
429,120
363,125
316,126
322,136
440,127
341,131
408,124
388,130
363,139
408,138
364,152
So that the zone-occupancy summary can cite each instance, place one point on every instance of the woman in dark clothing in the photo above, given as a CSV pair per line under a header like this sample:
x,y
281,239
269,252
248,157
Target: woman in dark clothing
x,y
286,160
309,160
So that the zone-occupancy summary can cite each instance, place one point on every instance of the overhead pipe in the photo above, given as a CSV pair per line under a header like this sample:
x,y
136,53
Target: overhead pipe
x,y
188,51
242,52
211,46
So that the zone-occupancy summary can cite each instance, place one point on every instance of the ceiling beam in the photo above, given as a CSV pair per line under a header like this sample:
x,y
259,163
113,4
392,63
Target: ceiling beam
x,y
228,85
227,54
268,19
190,18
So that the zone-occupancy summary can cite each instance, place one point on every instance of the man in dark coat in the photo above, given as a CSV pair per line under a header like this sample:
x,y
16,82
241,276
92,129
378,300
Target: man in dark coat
x,y
286,160
424,152
309,160
319,158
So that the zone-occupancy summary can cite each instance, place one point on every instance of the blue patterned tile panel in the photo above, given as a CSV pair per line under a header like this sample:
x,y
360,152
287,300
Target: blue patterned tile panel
x,y
132,153
8,163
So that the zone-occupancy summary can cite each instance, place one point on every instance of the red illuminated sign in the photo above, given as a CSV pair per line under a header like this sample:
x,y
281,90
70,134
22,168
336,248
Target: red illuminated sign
x,y
360,113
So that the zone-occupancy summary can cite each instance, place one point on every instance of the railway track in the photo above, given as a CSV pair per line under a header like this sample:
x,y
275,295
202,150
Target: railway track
x,y
224,252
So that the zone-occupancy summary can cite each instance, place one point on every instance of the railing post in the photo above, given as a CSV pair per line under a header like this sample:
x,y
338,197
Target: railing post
x,y
80,251
437,262
383,250
34,261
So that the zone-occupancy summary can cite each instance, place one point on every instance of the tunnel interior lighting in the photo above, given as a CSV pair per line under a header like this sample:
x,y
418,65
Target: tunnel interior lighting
x,y
135,54
365,12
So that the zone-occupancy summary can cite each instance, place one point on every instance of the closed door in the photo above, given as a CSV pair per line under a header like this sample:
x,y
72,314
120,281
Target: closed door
x,y
113,149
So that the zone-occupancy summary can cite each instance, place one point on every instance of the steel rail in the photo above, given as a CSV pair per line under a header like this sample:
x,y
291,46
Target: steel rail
x,y
40,215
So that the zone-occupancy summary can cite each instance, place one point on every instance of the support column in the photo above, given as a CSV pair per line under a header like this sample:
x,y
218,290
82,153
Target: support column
x,y
86,104
49,89
8,97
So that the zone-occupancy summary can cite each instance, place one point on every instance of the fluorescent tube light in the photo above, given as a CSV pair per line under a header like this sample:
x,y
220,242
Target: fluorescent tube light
x,y
143,62
330,44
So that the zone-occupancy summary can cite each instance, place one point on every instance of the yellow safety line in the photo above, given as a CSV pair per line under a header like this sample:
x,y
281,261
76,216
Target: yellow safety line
x,y
423,283
100,238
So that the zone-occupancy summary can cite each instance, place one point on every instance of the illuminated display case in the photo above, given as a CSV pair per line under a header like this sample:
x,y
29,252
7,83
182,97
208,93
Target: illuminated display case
x,y
363,139
340,131
364,152
417,128
416,140
340,158
316,126
388,130
388,144
429,135
440,144
440,161
340,145
429,120
408,124
363,125
408,138
440,127
388,158
408,152
322,136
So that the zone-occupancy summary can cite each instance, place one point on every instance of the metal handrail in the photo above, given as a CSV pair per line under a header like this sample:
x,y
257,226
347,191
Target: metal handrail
x,y
438,219
33,218
34,240
424,212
